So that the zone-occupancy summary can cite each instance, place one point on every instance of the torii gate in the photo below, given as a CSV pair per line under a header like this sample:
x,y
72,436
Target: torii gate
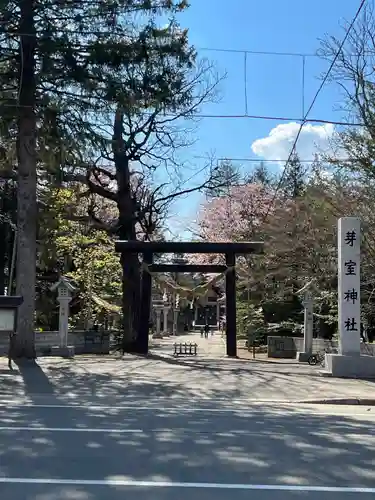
x,y
149,248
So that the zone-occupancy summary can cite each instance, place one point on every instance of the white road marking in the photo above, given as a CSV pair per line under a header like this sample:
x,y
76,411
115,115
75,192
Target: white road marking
x,y
177,484
176,409
134,398
159,430
70,429
156,401
351,410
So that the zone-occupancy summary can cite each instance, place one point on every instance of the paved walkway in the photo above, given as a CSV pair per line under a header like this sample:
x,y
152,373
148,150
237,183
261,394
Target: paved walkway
x,y
206,377
212,347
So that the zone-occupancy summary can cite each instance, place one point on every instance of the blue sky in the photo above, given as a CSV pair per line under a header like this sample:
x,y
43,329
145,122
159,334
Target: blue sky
x,y
274,83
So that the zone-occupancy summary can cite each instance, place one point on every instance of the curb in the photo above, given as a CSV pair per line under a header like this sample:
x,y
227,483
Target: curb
x,y
341,401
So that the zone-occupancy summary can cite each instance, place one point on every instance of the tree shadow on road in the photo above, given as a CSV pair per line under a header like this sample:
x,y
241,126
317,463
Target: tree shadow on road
x,y
34,378
258,445
156,376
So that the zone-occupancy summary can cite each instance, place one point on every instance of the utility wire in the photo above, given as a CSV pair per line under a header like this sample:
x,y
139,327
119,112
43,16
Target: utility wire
x,y
261,160
257,52
245,52
304,120
203,49
130,38
222,116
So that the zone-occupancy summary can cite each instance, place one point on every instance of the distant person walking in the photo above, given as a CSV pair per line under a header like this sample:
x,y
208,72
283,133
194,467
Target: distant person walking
x,y
223,329
206,330
363,333
11,349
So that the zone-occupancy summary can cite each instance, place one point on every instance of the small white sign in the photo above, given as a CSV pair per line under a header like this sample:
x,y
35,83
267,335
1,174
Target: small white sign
x,y
349,294
7,320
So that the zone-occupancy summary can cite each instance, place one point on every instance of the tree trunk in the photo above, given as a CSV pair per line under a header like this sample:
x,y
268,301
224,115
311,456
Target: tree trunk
x,y
130,299
26,185
3,243
127,231
3,255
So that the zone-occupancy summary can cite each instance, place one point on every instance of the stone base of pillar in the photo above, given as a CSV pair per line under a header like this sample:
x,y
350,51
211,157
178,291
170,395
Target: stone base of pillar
x,y
166,334
157,336
303,357
355,366
64,352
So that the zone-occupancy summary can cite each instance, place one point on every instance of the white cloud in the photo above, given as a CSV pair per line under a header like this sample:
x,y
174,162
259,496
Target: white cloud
x,y
314,139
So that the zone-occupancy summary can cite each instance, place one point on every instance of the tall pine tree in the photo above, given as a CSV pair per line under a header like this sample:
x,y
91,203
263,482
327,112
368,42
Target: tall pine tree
x,y
68,71
295,179
294,189
226,175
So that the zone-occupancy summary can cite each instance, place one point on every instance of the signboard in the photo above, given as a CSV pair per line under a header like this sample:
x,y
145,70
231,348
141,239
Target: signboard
x,y
349,303
7,317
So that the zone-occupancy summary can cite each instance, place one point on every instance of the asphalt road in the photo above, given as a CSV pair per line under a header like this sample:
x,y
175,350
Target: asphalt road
x,y
57,452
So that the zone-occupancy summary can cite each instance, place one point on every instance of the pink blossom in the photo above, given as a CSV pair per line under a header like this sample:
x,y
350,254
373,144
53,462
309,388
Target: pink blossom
x,y
236,217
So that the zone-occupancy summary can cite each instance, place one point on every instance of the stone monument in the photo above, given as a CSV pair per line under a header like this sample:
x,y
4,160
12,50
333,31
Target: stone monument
x,y
349,362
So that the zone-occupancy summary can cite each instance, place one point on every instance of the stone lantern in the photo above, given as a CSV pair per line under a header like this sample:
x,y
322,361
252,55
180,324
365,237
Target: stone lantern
x,y
158,308
64,296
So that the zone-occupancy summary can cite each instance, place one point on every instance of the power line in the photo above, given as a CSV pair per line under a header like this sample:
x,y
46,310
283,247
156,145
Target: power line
x,y
261,160
130,38
245,53
276,53
304,120
133,38
257,52
240,117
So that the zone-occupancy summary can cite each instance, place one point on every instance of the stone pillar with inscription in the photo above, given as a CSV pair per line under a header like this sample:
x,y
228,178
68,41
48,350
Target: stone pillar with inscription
x,y
349,302
349,362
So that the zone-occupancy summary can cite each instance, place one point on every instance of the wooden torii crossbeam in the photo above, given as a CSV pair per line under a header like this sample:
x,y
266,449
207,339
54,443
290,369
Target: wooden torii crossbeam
x,y
229,249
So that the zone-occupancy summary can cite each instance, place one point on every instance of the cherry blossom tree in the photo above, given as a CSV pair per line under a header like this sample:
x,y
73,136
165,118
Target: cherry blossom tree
x,y
236,217
298,234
